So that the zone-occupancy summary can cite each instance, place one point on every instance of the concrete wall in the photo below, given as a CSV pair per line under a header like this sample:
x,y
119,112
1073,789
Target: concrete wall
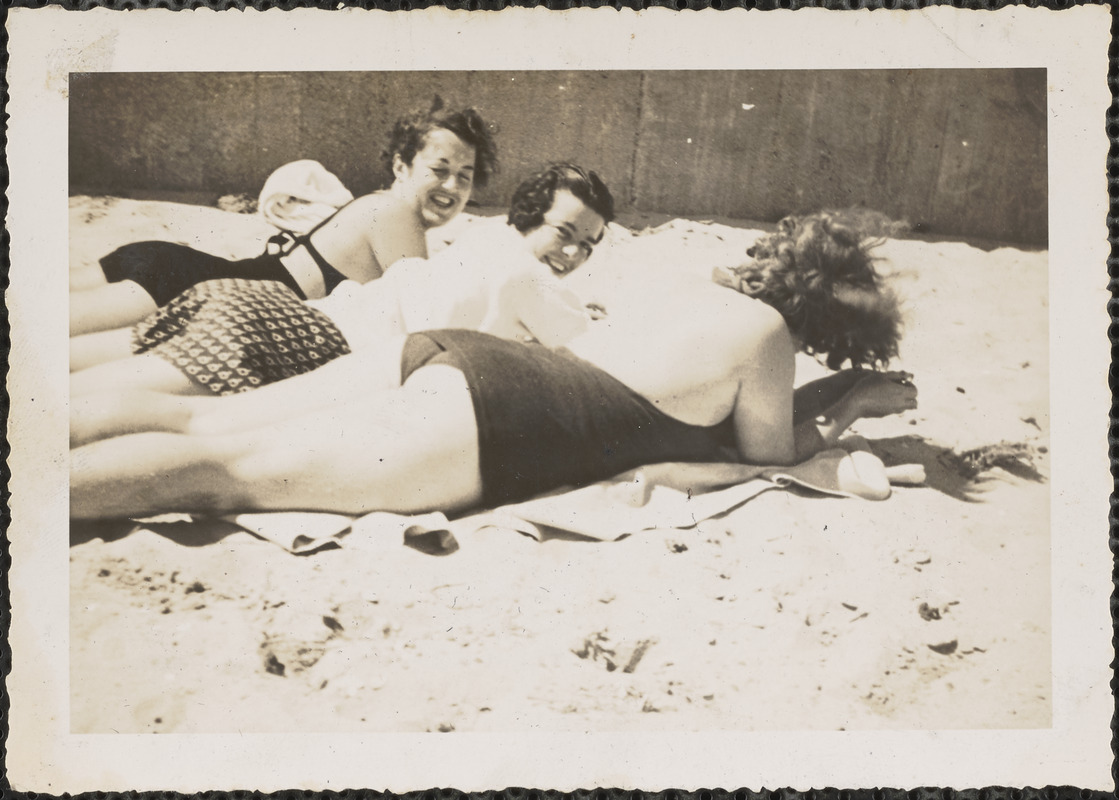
x,y
958,152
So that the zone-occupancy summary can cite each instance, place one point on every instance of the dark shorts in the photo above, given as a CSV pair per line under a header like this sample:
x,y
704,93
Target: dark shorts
x,y
547,419
166,269
233,335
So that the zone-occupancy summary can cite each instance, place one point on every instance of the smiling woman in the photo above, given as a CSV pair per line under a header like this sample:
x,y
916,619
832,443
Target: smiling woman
x,y
561,211
436,158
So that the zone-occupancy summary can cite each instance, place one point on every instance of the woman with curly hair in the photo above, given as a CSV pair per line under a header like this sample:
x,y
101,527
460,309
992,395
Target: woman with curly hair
x,y
558,188
818,273
436,158
454,419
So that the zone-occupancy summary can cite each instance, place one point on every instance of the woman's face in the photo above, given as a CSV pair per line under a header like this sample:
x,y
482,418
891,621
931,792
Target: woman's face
x,y
440,177
568,234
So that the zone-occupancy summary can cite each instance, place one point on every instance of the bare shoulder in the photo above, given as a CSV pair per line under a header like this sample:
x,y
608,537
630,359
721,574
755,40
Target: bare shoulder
x,y
374,205
377,214
743,319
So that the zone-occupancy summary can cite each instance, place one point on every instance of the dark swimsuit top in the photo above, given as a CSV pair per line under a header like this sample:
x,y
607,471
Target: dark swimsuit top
x,y
287,242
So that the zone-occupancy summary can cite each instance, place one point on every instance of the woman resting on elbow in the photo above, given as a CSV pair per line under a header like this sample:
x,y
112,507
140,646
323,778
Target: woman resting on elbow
x,y
436,158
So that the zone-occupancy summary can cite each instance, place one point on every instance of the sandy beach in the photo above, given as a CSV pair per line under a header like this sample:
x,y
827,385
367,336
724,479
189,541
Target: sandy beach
x,y
928,610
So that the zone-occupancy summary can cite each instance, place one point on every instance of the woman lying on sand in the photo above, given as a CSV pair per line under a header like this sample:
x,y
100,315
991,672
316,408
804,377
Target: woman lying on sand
x,y
451,420
436,158
227,336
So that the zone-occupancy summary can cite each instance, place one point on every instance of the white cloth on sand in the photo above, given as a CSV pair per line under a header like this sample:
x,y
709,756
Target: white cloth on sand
x,y
300,195
655,496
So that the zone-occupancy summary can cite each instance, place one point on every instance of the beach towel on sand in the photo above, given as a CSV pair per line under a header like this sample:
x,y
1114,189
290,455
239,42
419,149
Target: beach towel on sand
x,y
655,496
300,195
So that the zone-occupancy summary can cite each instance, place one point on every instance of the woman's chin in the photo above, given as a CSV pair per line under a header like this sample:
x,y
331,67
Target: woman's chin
x,y
433,217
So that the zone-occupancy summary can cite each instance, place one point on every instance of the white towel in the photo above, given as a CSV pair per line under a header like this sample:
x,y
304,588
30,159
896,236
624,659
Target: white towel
x,y
300,195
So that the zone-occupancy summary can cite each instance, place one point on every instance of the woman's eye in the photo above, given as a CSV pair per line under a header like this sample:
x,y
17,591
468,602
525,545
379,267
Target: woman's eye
x,y
465,178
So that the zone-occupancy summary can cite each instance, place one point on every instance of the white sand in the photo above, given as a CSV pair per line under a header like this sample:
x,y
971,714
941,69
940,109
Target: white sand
x,y
793,612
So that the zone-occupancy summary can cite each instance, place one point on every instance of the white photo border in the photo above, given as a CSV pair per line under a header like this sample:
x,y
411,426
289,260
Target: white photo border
x,y
47,44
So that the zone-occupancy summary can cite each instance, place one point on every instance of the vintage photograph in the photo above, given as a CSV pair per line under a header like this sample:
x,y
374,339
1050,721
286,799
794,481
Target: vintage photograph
x,y
542,304
644,409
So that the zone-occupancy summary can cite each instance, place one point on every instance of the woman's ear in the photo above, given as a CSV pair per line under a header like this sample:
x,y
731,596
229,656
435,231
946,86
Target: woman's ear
x,y
400,170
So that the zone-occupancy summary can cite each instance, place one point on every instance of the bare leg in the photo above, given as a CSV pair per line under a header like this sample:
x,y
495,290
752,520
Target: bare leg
x,y
148,473
114,305
103,415
146,396
364,376
88,277
414,450
91,349
869,394
136,372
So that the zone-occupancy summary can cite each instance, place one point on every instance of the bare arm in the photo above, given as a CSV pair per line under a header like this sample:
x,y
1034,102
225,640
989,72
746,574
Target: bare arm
x,y
823,432
551,313
395,232
763,411
872,394
763,408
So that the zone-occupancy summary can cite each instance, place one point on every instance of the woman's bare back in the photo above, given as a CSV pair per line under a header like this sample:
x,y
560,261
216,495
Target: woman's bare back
x,y
688,364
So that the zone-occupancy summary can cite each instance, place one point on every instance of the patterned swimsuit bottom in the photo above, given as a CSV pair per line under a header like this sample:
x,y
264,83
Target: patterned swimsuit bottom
x,y
233,335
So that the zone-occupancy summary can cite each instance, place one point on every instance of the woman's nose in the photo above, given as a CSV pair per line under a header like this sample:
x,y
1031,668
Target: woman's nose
x,y
573,255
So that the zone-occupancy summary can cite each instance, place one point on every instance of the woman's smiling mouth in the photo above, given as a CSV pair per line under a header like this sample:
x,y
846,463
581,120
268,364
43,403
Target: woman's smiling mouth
x,y
442,200
557,267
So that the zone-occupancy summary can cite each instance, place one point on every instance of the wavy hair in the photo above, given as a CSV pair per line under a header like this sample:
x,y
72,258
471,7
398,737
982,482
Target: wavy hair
x,y
819,274
409,132
535,195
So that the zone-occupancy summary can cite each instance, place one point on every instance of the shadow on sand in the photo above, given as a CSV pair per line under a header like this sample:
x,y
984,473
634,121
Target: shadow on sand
x,y
185,533
964,476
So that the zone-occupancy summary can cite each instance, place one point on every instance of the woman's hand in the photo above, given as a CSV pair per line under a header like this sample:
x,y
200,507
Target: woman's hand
x,y
880,394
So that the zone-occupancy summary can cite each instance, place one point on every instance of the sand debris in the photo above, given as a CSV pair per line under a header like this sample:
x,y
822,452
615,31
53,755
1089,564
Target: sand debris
x,y
1017,458
625,655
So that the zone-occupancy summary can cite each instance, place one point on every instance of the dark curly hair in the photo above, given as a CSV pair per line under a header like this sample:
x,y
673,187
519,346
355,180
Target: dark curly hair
x,y
409,132
535,195
818,273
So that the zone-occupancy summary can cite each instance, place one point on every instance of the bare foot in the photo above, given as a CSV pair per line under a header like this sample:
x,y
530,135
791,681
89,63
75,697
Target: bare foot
x,y
880,394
